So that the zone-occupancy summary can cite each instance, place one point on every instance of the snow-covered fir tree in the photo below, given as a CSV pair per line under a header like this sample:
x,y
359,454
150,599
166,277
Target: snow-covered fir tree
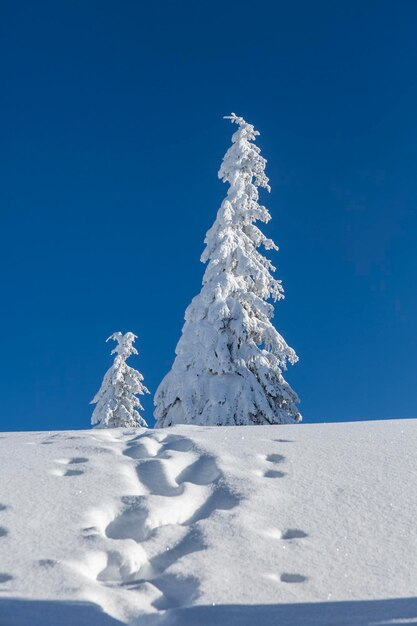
x,y
230,358
116,401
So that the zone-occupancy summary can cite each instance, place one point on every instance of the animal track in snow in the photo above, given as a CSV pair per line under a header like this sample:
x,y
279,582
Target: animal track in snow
x,y
287,535
76,460
275,458
293,533
3,531
5,578
49,440
271,459
69,472
47,562
292,578
274,474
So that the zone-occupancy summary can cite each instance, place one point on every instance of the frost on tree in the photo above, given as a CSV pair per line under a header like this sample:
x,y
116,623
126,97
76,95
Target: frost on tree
x,y
116,401
230,358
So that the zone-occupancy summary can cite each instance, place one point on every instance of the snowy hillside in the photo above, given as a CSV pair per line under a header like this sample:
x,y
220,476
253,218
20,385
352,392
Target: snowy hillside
x,y
309,524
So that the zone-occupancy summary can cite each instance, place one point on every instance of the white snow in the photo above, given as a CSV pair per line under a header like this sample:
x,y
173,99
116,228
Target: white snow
x,y
269,525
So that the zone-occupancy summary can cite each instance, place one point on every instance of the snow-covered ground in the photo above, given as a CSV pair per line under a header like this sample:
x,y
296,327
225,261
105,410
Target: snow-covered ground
x,y
268,525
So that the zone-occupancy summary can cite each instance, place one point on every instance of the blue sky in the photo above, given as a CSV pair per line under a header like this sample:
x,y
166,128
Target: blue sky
x,y
111,138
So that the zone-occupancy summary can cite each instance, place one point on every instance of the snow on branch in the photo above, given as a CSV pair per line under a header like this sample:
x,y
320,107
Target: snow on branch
x,y
116,401
230,358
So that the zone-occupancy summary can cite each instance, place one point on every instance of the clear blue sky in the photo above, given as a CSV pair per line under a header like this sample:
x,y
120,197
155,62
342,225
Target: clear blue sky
x,y
111,138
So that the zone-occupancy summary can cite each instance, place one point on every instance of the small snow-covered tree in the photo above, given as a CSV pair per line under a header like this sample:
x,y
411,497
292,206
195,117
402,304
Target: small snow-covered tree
x,y
230,358
116,400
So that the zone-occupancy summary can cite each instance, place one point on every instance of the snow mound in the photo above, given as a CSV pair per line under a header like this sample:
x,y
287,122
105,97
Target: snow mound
x,y
191,525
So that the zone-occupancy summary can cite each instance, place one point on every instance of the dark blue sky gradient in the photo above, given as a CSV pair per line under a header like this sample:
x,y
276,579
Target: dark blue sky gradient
x,y
111,138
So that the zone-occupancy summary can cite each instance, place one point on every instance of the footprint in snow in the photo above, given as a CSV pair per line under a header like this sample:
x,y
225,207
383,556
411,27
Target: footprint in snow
x,y
177,443
3,507
176,592
203,471
3,531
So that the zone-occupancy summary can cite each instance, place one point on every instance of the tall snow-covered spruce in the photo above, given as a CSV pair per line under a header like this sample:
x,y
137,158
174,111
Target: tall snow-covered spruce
x,y
230,358
116,400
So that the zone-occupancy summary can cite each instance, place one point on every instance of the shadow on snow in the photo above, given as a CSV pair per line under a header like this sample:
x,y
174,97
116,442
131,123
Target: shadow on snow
x,y
393,612
17,612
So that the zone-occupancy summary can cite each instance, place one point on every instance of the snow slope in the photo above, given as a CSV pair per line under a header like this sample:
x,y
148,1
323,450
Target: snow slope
x,y
189,526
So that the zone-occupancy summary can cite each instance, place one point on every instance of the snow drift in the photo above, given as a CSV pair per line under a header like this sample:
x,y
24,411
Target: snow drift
x,y
311,524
